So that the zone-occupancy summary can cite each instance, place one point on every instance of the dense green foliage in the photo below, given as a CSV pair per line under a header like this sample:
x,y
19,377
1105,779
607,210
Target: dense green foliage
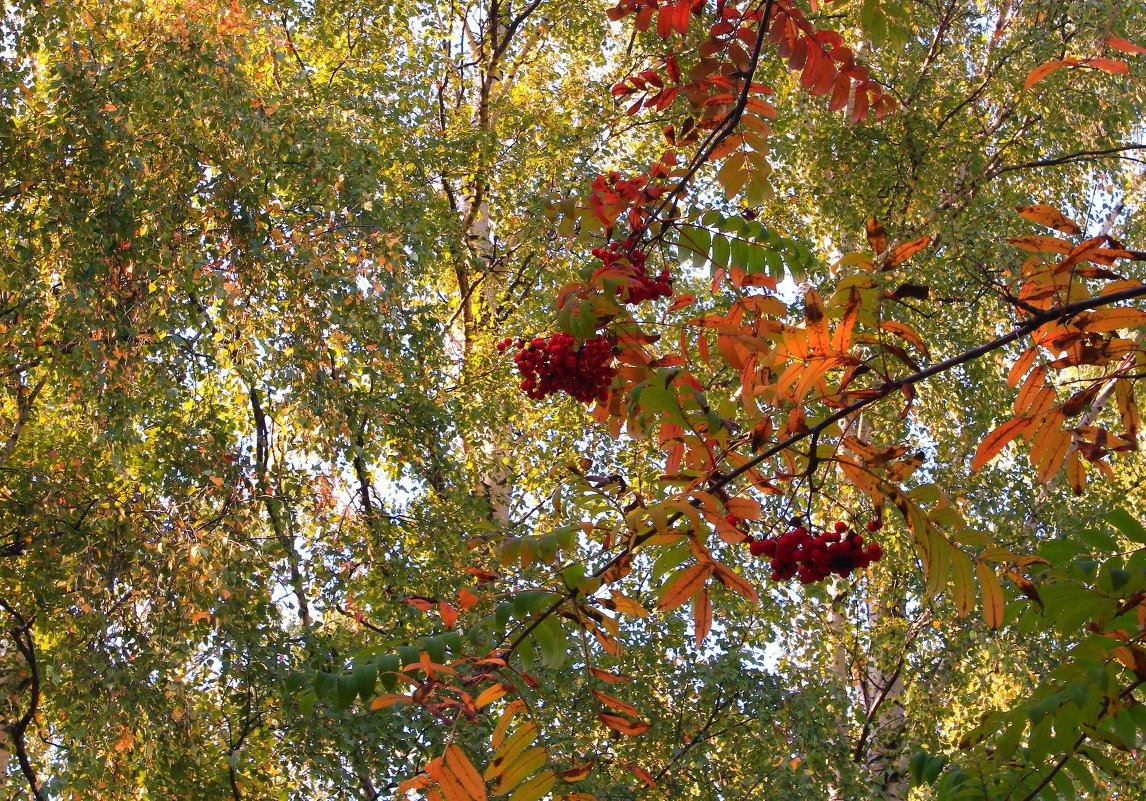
x,y
254,261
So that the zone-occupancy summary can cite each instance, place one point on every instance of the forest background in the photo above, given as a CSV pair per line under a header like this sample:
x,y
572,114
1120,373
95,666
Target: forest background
x,y
279,521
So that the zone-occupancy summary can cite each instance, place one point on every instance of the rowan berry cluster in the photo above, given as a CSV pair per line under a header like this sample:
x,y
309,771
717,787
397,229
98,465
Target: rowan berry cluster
x,y
647,287
556,363
813,558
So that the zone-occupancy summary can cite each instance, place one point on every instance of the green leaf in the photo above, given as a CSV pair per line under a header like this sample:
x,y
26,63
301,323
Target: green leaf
x,y
1128,524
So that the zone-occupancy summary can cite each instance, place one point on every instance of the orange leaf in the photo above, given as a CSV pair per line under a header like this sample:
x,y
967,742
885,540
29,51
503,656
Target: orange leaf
x,y
997,439
607,677
761,107
456,776
701,616
816,316
489,695
906,251
1113,320
1021,365
842,338
1075,472
1042,244
876,236
1051,218
1043,70
1049,447
389,699
903,332
1125,46
614,703
1107,64
448,613
687,584
620,724
642,774
466,599
743,508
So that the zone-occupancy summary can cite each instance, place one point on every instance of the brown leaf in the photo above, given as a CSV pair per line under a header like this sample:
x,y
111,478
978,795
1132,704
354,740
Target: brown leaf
x,y
626,727
577,773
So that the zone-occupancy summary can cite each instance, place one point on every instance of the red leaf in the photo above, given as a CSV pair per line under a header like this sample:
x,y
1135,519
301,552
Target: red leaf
x,y
665,22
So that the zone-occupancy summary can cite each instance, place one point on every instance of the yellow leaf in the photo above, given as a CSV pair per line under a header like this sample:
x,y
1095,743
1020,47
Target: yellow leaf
x,y
1050,217
514,745
964,583
503,722
516,772
535,788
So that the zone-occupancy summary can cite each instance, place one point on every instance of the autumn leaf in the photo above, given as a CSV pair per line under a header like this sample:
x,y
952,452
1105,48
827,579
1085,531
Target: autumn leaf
x,y
1051,218
701,616
622,725
618,705
876,236
1040,72
1125,46
687,584
997,440
456,777
905,251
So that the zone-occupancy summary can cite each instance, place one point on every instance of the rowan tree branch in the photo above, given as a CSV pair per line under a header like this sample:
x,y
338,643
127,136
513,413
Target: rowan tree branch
x,y
1029,326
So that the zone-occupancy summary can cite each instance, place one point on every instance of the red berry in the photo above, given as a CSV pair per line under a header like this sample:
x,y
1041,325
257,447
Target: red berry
x,y
758,548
